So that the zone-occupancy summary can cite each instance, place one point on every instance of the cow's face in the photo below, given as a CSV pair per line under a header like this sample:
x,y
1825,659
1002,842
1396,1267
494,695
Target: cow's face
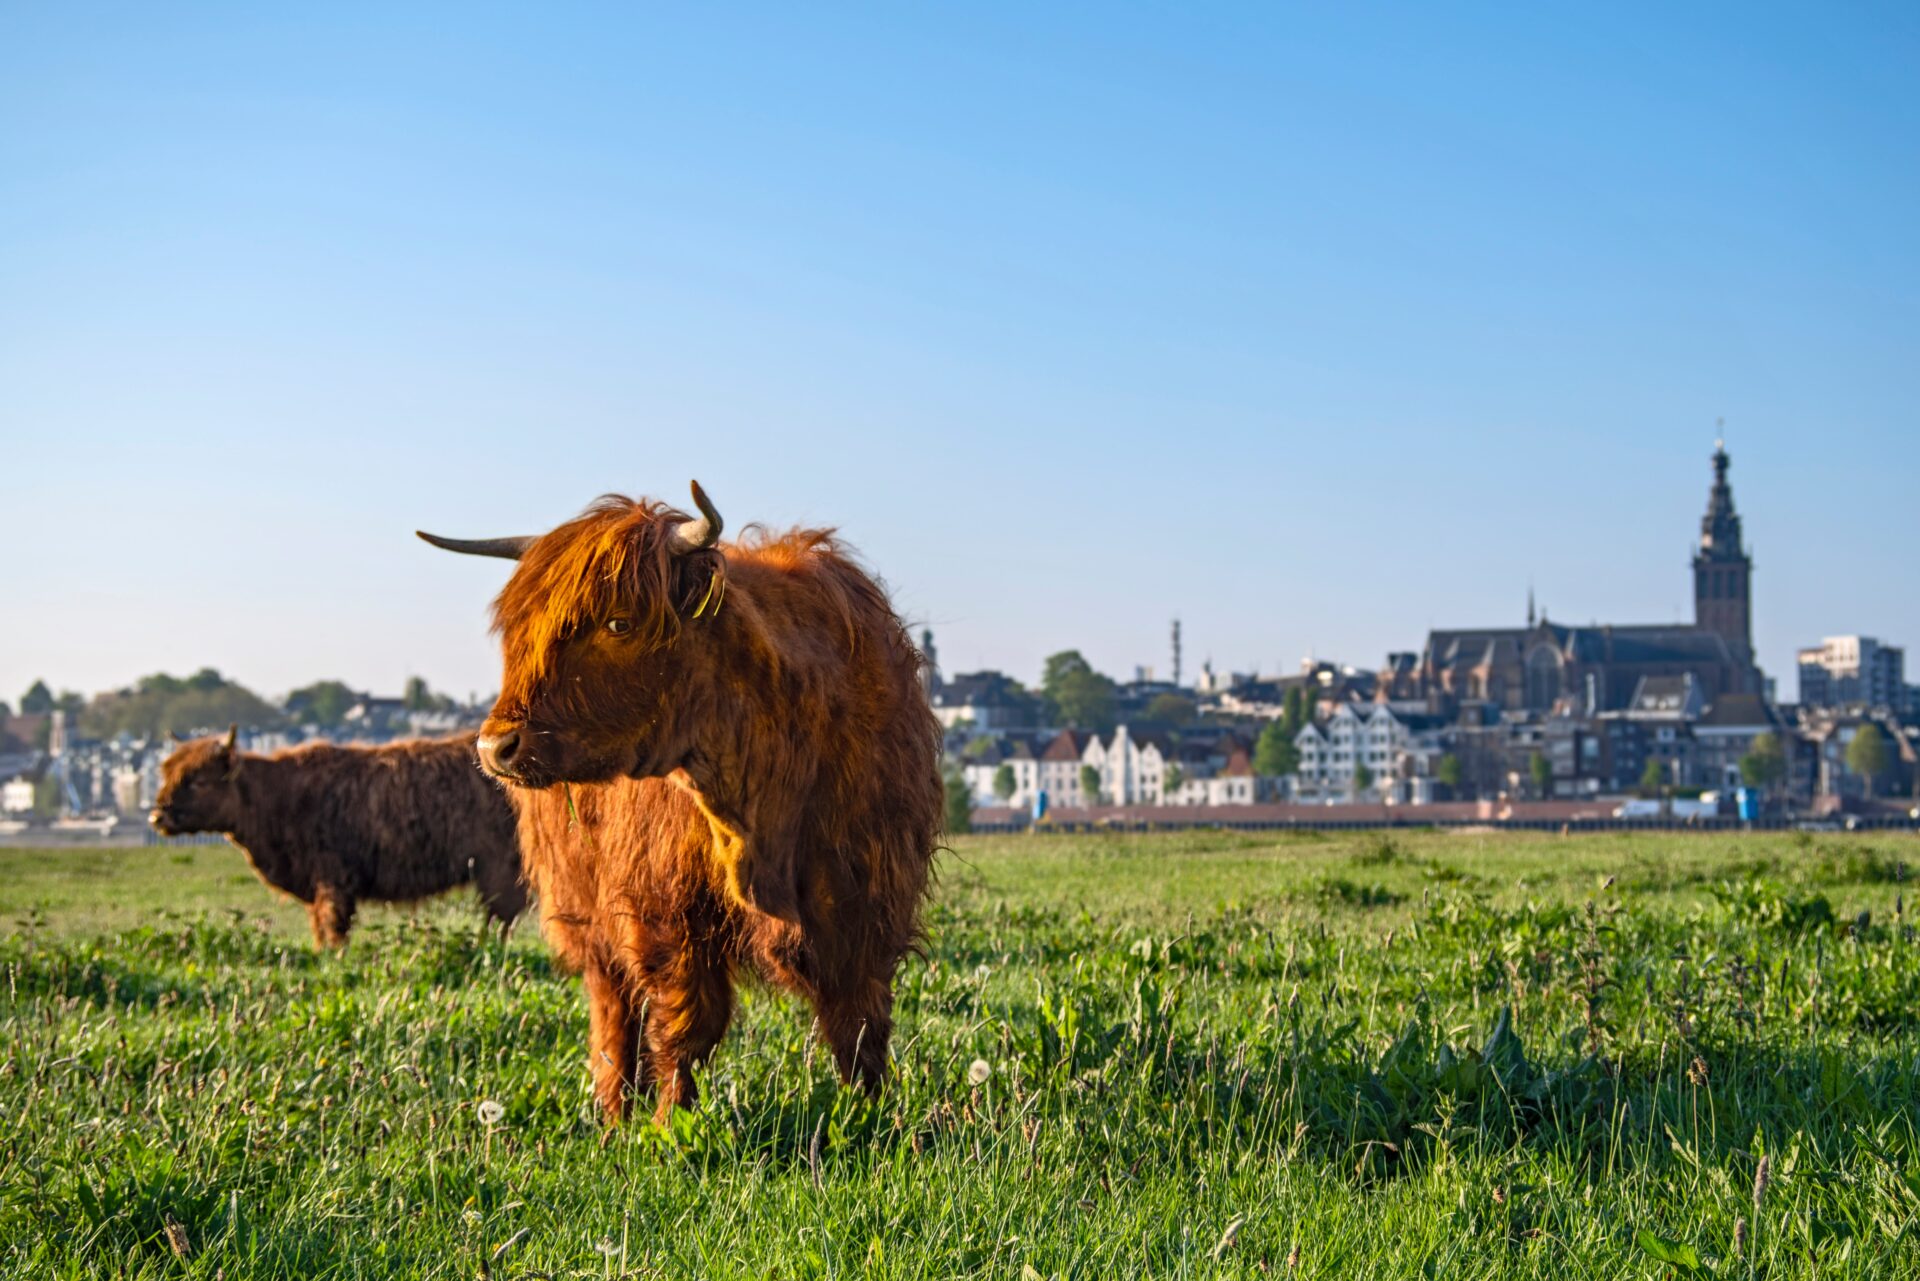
x,y
199,791
603,627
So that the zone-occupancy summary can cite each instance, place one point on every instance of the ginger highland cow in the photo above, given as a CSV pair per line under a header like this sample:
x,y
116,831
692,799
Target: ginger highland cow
x,y
724,763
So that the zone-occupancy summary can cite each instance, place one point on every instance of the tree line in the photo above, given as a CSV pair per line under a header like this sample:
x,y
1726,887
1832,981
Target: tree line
x,y
162,704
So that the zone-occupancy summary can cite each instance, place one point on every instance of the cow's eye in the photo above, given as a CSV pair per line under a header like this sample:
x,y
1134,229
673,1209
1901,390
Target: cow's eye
x,y
619,626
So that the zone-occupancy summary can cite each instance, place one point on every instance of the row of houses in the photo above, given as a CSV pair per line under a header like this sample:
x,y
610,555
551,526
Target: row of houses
x,y
1668,735
1074,768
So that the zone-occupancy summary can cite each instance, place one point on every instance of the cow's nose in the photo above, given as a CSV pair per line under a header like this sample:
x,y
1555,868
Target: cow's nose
x,y
499,751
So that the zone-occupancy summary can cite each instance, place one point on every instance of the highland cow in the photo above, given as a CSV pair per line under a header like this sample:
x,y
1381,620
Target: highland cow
x,y
724,763
336,826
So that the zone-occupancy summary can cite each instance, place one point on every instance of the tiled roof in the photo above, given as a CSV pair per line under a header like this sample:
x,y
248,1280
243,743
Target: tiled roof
x,y
1066,746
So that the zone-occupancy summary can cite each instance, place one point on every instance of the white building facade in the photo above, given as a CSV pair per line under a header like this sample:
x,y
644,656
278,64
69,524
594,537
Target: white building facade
x,y
1352,735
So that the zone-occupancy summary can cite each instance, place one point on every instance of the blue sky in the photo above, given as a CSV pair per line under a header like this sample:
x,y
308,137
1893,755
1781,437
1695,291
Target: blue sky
x,y
1314,326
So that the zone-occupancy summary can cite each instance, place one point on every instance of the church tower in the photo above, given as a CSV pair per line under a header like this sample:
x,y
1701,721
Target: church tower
x,y
1723,575
929,664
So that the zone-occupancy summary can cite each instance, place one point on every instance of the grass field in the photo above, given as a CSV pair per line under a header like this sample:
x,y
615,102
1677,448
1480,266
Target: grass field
x,y
1424,1055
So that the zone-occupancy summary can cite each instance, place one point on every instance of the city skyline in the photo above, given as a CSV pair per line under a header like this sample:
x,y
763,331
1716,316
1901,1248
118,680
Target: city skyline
x,y
1159,668
1317,330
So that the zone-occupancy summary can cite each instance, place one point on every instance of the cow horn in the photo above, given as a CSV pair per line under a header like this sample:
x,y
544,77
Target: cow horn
x,y
505,548
233,737
694,535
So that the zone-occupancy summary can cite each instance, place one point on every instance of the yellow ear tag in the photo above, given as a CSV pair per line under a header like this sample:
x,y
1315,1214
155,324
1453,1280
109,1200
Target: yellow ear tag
x,y
708,598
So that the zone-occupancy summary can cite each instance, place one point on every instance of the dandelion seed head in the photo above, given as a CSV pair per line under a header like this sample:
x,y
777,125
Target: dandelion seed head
x,y
978,1072
491,1113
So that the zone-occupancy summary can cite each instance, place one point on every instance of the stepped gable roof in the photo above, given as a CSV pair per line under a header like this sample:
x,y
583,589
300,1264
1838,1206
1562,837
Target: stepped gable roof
x,y
1152,738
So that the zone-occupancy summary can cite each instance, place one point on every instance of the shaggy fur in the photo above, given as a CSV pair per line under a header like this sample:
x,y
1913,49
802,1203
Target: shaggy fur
x,y
334,826
769,683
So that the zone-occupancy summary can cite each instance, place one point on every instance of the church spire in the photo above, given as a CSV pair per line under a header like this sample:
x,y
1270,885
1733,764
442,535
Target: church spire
x,y
1722,573
1720,527
1530,613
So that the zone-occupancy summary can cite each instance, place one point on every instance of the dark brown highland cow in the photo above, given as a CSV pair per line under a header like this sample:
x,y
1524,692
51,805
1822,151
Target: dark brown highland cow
x,y
772,687
334,826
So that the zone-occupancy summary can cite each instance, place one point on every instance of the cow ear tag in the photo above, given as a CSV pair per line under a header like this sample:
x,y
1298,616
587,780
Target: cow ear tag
x,y
708,599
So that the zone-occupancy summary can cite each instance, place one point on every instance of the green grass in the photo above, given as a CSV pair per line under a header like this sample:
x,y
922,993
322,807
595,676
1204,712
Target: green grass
x,y
1429,1055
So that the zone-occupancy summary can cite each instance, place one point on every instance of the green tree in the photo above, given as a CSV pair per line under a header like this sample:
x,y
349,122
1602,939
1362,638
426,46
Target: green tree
x,y
1173,709
1274,753
959,803
1004,783
1449,771
46,796
1089,785
5,711
37,699
1060,666
1765,763
419,697
1362,778
1175,779
1652,778
1867,753
162,704
321,703
979,749
1293,710
1087,700
1076,695
1540,773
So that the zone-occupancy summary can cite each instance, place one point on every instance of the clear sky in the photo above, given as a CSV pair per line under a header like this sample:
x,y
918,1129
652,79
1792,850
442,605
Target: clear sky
x,y
1313,325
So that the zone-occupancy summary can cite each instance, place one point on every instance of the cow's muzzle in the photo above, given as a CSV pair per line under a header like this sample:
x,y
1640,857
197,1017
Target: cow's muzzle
x,y
503,753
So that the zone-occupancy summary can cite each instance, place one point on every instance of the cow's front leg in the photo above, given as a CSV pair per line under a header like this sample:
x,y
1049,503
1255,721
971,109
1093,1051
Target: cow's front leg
x,y
331,914
613,1043
690,1003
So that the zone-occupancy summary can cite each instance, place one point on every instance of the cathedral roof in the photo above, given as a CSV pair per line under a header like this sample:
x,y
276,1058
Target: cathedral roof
x,y
1597,643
